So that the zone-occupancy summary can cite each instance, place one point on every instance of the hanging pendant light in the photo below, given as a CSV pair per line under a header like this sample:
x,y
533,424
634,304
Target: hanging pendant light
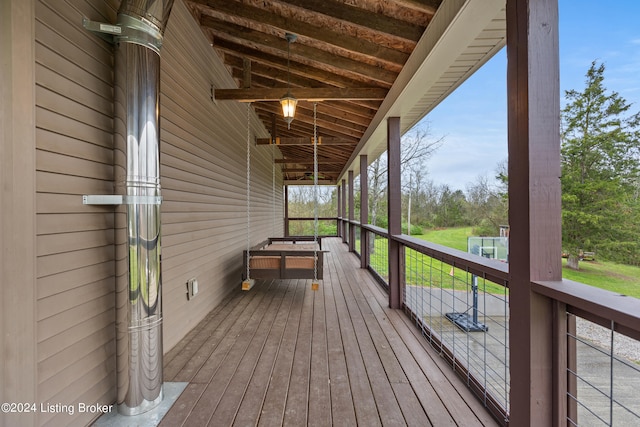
x,y
288,102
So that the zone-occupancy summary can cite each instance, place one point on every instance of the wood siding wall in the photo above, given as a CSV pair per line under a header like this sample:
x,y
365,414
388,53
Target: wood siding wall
x,y
203,186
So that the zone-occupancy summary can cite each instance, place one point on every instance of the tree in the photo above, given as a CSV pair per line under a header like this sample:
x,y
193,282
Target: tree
x,y
416,147
450,210
488,203
302,204
600,165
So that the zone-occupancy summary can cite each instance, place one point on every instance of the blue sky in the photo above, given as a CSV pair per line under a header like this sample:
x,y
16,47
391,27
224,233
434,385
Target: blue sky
x,y
473,120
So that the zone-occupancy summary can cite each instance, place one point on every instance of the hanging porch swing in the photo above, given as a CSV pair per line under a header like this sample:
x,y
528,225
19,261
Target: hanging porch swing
x,y
292,257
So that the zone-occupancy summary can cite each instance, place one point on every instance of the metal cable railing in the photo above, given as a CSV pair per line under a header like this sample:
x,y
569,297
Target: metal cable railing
x,y
441,286
604,375
469,327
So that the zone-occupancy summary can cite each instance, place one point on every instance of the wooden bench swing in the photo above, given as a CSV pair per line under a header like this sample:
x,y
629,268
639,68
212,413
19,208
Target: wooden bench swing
x,y
285,258
291,257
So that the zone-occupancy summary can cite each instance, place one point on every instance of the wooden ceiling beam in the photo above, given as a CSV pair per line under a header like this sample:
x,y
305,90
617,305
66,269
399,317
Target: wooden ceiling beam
x,y
348,54
304,162
377,22
309,168
358,111
325,123
303,127
300,128
307,181
335,77
305,141
429,6
337,155
322,34
302,94
226,30
272,76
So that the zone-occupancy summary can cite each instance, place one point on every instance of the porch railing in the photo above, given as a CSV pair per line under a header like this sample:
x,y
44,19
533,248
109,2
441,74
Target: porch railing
x,y
602,338
599,351
303,226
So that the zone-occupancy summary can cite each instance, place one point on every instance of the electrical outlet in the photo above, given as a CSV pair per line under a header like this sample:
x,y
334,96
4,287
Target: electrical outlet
x,y
192,288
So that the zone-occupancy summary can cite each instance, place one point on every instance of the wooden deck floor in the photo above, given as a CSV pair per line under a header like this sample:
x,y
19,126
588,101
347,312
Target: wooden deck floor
x,y
282,354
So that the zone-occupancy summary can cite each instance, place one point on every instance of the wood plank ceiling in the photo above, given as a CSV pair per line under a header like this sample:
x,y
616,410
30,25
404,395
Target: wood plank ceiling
x,y
347,55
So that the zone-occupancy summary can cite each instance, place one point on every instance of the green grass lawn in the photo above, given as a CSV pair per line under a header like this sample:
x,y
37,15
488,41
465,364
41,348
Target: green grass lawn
x,y
622,279
619,278
455,238
421,269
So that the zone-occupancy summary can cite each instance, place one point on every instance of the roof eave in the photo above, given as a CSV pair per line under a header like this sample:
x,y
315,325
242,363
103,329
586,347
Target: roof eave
x,y
458,27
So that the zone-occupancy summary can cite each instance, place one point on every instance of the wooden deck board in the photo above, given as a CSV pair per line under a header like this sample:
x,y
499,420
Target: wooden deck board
x,y
254,398
385,399
295,413
183,353
282,354
363,399
230,402
183,406
319,390
273,408
342,404
227,368
214,342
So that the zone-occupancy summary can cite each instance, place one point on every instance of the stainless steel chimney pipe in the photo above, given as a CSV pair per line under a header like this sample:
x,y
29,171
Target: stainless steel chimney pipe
x,y
137,171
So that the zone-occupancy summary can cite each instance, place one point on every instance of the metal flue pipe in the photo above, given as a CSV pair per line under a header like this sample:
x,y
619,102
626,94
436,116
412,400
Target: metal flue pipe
x,y
137,168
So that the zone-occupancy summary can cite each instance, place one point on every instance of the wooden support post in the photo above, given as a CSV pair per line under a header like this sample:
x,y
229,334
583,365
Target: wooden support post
x,y
339,209
395,213
352,230
343,213
364,211
286,210
534,206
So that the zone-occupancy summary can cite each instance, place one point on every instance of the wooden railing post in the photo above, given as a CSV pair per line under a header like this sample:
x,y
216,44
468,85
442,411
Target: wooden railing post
x,y
343,213
352,229
364,211
286,210
395,213
561,360
572,365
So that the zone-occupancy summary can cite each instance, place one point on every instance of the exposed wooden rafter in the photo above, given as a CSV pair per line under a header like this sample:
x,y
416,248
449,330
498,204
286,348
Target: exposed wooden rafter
x,y
302,94
346,58
304,141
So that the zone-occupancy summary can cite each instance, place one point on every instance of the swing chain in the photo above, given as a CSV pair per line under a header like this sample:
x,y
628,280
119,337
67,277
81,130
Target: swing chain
x,y
273,190
248,189
315,192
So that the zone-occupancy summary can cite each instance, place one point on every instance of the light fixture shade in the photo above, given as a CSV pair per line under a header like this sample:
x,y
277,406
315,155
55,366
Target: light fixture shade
x,y
288,103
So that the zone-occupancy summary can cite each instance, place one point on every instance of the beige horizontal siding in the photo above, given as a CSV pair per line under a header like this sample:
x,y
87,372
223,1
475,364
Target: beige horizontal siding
x,y
204,178
63,223
203,186
74,245
203,168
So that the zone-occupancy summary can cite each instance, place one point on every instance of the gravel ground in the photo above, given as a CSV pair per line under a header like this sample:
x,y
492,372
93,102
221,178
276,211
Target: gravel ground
x,y
623,346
